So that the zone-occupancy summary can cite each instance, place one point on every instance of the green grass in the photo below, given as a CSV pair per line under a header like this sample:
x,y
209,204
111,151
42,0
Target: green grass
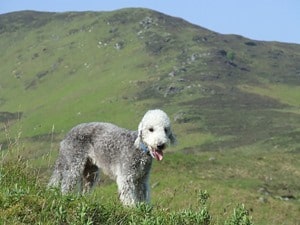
x,y
286,94
240,177
24,200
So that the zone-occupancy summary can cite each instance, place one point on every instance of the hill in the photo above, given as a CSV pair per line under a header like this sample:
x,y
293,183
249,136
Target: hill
x,y
234,102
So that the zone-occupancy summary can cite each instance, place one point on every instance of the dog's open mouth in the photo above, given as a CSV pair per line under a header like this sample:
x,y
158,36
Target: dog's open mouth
x,y
157,154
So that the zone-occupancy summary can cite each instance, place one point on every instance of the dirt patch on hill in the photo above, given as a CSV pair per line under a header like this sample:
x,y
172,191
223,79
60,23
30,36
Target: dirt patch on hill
x,y
8,116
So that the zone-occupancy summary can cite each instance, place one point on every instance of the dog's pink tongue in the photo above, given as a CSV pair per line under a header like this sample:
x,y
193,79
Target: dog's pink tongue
x,y
158,155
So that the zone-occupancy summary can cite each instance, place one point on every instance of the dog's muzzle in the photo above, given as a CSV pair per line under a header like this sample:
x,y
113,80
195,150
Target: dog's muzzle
x,y
156,153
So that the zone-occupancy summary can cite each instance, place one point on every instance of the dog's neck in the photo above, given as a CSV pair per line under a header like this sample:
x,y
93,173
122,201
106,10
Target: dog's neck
x,y
144,147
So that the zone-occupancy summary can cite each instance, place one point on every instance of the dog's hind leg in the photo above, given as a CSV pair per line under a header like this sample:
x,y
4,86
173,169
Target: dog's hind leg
x,y
72,174
70,178
56,177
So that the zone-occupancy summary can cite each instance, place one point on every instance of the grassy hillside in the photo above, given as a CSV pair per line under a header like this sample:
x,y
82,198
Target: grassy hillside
x,y
234,102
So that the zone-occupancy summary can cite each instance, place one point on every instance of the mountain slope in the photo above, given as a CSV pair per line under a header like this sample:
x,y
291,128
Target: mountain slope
x,y
58,69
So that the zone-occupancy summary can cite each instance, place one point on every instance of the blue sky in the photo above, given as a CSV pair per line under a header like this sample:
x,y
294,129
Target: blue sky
x,y
270,20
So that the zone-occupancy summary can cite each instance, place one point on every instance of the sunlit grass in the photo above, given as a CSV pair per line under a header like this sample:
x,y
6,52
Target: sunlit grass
x,y
286,94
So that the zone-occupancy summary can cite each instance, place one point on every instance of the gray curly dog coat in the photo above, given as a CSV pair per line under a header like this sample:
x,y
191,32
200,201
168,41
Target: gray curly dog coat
x,y
124,155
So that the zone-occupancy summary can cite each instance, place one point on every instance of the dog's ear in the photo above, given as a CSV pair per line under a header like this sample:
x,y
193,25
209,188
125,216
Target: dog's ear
x,y
172,138
138,140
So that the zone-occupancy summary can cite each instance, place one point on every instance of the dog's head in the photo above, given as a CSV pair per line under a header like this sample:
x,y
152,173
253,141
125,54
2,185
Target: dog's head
x,y
154,133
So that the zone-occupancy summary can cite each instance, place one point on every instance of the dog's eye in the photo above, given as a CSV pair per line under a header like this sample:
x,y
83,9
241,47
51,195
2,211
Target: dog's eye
x,y
166,130
151,129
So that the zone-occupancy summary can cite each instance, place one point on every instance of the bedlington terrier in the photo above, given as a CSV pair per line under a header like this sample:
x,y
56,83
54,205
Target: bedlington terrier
x,y
124,155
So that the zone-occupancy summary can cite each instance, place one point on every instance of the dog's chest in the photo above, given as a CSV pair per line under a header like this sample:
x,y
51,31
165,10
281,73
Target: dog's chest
x,y
141,165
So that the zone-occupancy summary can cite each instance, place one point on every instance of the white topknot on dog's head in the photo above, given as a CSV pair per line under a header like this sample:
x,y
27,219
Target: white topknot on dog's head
x,y
154,133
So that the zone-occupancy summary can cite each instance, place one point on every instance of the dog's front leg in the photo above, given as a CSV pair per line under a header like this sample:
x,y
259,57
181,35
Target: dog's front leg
x,y
128,191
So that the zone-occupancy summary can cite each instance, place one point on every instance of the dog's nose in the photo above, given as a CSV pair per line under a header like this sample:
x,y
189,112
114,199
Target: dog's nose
x,y
161,146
